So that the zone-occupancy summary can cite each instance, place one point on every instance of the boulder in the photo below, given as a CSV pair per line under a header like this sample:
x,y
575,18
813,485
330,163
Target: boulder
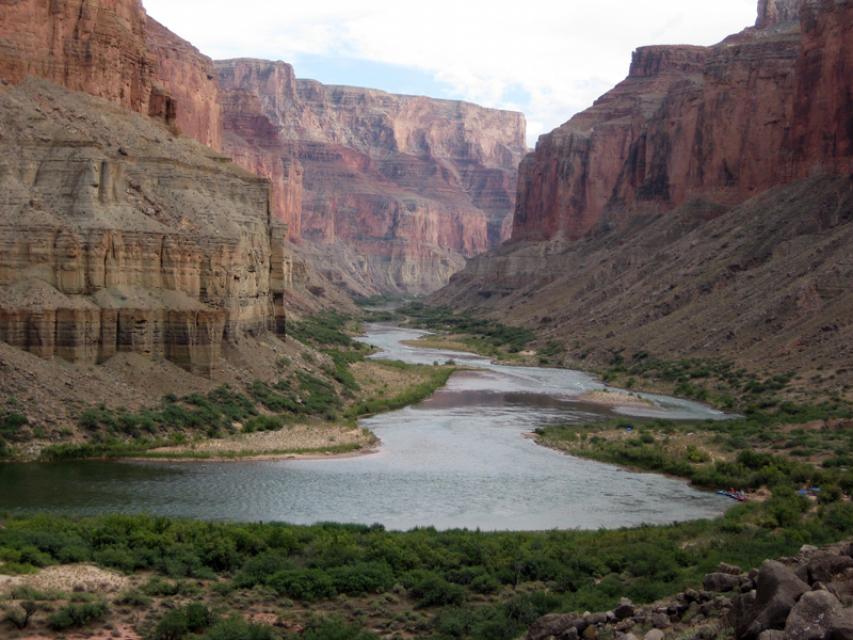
x,y
778,591
722,582
826,568
624,610
660,620
706,632
815,617
731,569
654,634
740,614
554,625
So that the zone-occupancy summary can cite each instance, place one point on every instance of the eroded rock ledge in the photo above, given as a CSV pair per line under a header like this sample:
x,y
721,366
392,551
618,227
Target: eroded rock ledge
x,y
117,236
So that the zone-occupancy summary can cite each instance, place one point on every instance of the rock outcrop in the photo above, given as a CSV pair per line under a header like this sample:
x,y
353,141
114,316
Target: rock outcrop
x,y
94,46
118,237
412,185
770,603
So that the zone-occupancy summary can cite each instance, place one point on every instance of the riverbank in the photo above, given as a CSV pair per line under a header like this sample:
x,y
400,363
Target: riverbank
x,y
806,450
301,408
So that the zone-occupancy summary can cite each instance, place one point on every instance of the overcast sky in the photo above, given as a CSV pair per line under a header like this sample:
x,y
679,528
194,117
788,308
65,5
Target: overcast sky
x,y
547,58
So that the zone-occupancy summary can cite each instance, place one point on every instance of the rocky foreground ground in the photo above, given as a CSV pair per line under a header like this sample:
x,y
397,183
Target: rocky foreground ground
x,y
805,597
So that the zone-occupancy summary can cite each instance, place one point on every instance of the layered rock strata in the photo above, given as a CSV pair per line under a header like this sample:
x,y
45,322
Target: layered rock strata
x,y
117,236
412,184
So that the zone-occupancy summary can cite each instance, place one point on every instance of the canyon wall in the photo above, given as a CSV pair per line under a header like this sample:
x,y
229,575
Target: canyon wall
x,y
112,50
116,236
407,186
703,207
185,87
724,123
94,46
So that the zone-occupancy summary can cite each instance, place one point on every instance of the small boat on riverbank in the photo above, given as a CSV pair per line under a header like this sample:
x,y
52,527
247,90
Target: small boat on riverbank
x,y
740,496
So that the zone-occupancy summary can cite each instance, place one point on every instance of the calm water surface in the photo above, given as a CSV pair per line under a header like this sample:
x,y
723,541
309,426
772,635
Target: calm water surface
x,y
456,460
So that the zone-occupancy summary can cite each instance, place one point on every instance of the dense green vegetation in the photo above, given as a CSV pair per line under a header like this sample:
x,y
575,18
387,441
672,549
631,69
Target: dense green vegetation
x,y
466,584
484,336
771,448
11,424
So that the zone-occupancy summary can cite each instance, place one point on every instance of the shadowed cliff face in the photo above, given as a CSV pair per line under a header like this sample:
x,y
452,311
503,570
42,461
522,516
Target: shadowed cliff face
x,y
724,123
409,185
702,207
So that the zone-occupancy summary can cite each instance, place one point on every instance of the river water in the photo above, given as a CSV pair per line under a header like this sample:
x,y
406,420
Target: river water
x,y
457,460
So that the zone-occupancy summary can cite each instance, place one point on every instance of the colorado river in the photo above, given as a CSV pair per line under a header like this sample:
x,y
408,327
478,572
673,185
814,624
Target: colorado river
x,y
459,459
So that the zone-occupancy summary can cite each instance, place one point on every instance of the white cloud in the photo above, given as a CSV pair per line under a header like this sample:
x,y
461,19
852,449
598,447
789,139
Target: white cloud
x,y
546,58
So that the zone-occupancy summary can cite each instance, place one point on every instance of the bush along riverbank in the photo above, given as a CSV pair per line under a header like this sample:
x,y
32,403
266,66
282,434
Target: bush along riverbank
x,y
792,448
308,407
460,332
293,582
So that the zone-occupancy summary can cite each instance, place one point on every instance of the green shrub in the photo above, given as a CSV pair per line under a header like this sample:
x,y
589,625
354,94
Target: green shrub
x,y
431,590
177,623
303,584
334,629
134,598
236,628
363,577
77,615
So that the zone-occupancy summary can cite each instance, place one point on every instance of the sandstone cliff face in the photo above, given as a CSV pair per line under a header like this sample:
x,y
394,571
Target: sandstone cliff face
x,y
823,107
775,12
187,79
95,46
723,123
411,184
112,50
118,237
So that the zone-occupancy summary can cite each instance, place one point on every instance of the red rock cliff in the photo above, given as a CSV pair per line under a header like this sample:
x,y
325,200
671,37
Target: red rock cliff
x,y
410,184
724,123
94,46
112,50
189,79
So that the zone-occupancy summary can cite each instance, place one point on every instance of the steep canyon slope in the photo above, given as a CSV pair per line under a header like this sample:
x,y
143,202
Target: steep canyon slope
x,y
395,190
658,220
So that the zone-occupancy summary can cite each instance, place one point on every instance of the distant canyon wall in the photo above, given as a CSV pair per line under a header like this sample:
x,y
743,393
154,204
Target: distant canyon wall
x,y
410,185
724,123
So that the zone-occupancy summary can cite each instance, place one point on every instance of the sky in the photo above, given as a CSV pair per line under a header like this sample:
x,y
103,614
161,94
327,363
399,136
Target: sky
x,y
546,58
